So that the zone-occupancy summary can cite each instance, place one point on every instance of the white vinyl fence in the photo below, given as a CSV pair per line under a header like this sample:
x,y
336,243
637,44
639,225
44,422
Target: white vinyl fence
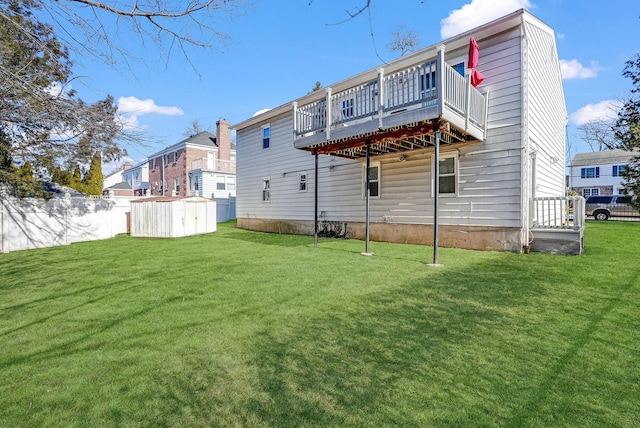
x,y
36,223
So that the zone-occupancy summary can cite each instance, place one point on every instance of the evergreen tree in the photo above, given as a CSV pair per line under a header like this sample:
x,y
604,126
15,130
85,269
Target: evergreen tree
x,y
76,180
93,179
627,130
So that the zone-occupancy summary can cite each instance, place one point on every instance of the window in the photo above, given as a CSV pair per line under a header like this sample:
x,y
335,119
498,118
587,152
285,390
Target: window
x,y
175,157
166,159
590,192
591,172
374,180
459,68
153,163
428,84
266,190
177,185
618,170
347,108
196,184
220,183
231,184
266,136
447,168
302,184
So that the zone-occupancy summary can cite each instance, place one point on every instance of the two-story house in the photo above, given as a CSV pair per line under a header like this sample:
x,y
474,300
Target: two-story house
x,y
138,177
598,173
417,147
201,165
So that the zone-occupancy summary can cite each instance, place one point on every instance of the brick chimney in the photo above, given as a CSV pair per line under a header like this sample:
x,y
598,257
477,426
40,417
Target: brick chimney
x,y
223,138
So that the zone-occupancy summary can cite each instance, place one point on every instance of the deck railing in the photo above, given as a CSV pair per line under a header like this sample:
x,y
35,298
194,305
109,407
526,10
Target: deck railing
x,y
558,212
214,165
414,87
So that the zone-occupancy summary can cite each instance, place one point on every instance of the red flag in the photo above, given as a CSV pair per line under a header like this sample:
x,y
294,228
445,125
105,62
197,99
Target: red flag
x,y
474,54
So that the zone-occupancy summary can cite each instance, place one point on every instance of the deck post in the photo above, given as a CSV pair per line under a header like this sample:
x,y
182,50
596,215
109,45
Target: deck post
x,y
436,195
440,84
367,197
294,106
315,201
327,118
467,107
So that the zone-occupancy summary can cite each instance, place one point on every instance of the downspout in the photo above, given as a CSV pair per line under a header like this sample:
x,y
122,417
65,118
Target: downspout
x,y
525,174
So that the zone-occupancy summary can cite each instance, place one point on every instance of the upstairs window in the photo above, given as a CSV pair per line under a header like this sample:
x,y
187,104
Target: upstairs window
x,y
618,170
266,136
591,172
166,159
459,68
347,108
153,163
175,157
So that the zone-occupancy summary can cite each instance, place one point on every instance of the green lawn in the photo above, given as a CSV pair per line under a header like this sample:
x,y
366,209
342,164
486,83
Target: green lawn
x,y
241,328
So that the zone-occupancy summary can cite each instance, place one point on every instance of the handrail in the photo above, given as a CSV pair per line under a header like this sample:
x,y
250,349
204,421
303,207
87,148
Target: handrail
x,y
214,164
414,86
558,212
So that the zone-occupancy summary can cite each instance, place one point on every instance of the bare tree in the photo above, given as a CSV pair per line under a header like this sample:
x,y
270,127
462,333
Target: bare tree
x,y
92,27
598,134
193,129
404,41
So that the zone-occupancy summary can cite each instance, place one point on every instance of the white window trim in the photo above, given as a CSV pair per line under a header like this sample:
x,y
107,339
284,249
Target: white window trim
x,y
364,179
456,157
300,181
262,189
265,126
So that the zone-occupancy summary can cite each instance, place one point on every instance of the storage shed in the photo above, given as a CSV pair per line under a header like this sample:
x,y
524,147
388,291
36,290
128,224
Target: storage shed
x,y
172,217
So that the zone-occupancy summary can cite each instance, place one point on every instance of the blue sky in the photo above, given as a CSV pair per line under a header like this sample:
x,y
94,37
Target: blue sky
x,y
278,49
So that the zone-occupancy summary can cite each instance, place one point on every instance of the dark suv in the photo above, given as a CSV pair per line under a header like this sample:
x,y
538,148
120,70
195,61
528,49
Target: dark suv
x,y
603,207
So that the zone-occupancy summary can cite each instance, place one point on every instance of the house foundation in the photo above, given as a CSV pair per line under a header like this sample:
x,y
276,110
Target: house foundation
x,y
467,237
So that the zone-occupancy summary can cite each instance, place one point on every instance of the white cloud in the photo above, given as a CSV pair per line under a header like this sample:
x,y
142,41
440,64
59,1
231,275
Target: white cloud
x,y
572,69
476,13
606,110
139,107
264,110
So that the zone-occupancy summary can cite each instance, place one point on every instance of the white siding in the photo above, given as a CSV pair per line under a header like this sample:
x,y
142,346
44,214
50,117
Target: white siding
x,y
490,174
546,109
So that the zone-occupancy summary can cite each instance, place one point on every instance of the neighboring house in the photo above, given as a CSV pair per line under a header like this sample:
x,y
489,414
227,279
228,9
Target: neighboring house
x,y
201,165
138,177
598,173
115,177
501,149
119,189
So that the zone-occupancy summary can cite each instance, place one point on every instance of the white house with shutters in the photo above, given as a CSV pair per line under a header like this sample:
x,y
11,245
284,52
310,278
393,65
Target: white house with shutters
x,y
359,158
599,173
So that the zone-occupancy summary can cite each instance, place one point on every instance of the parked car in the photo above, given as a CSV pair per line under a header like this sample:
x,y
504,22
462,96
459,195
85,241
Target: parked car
x,y
604,207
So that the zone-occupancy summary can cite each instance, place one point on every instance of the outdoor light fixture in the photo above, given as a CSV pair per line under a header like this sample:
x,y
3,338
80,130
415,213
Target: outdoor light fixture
x,y
402,158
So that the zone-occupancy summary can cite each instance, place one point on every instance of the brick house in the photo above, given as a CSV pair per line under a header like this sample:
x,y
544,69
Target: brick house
x,y
170,169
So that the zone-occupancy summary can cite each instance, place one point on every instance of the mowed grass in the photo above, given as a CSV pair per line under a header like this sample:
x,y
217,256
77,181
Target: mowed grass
x,y
240,328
